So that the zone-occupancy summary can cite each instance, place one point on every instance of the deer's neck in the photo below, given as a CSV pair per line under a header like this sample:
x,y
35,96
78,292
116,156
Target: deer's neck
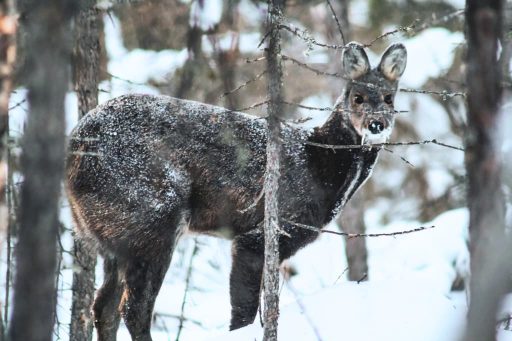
x,y
338,172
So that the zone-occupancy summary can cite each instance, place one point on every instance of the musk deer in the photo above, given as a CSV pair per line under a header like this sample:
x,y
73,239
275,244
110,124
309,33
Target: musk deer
x,y
143,169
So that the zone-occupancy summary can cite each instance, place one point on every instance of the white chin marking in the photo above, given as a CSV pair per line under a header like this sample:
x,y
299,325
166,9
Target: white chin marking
x,y
382,137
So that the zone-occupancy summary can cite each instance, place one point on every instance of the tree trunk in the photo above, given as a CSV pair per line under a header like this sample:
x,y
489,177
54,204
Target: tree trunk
x,y
7,58
352,221
271,188
490,251
86,60
47,58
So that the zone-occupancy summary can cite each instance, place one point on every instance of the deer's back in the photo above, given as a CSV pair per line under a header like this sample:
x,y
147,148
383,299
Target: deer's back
x,y
132,159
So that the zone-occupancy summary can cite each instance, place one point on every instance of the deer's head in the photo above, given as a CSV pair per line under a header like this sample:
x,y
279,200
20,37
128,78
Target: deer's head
x,y
369,95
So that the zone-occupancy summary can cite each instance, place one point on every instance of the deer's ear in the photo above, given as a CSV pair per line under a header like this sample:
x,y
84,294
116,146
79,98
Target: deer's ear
x,y
393,62
355,60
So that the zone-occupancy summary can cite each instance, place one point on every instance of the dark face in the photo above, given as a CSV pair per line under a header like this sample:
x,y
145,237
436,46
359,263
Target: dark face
x,y
369,95
370,107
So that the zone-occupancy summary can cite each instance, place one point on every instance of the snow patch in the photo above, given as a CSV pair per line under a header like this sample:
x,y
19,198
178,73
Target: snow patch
x,y
205,14
138,66
433,50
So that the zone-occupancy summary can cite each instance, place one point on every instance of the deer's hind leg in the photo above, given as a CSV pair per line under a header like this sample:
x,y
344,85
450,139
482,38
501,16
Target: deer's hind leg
x,y
106,304
143,279
144,269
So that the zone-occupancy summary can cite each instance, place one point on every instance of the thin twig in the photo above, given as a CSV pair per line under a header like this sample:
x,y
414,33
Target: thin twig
x,y
442,20
379,145
254,60
337,22
408,28
126,80
173,316
444,94
338,109
252,106
308,39
302,308
187,285
306,66
400,156
263,39
243,85
358,235
251,206
341,274
18,104
308,107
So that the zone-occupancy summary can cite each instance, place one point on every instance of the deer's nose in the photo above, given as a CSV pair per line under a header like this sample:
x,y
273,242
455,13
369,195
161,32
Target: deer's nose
x,y
376,127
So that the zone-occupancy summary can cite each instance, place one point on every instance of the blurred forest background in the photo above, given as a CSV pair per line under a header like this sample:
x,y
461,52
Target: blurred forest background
x,y
210,51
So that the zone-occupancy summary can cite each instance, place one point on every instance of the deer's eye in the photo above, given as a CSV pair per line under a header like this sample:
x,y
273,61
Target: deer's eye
x,y
358,99
388,99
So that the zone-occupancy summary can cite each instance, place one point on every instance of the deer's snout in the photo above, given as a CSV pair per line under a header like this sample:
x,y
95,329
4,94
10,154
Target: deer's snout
x,y
376,126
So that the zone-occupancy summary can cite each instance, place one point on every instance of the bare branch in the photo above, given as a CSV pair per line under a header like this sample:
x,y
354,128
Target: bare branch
x,y
254,106
400,156
408,28
444,94
243,85
309,40
302,307
258,59
358,235
187,285
441,20
380,145
18,104
337,22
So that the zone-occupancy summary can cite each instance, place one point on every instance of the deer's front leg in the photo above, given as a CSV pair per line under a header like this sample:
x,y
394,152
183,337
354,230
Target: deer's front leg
x,y
245,279
247,268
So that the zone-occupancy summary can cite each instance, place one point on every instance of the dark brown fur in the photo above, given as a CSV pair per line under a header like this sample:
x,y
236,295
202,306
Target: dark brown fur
x,y
143,168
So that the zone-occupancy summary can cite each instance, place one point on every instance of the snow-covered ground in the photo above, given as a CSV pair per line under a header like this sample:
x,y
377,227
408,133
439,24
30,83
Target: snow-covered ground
x,y
408,296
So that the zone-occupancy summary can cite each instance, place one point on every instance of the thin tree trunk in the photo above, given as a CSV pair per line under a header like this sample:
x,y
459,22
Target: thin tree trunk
x,y
271,220
490,251
86,60
47,58
355,248
7,58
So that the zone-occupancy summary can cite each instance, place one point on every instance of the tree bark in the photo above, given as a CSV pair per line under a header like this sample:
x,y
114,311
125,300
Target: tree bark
x,y
490,250
271,219
86,60
47,57
352,221
7,58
